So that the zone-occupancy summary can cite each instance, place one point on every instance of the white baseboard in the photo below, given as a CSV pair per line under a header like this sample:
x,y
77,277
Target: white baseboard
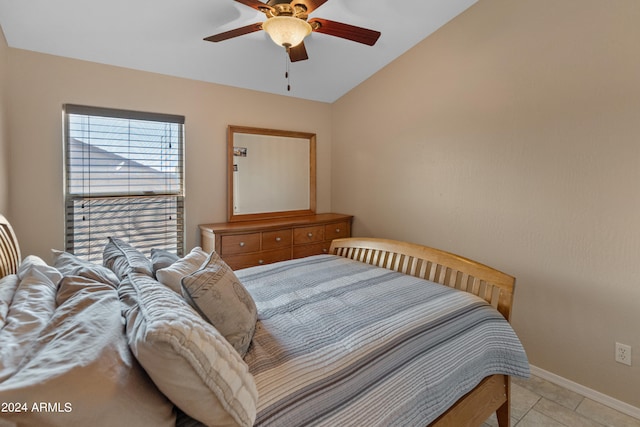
x,y
596,396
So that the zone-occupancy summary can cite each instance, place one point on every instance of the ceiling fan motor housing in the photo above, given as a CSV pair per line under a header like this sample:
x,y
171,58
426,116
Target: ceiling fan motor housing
x,y
285,8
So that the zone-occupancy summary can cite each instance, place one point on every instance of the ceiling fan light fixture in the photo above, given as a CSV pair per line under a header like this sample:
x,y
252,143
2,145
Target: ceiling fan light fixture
x,y
286,31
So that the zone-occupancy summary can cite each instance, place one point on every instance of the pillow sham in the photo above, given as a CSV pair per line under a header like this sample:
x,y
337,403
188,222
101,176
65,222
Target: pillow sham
x,y
172,276
70,265
122,258
161,258
218,296
81,363
187,358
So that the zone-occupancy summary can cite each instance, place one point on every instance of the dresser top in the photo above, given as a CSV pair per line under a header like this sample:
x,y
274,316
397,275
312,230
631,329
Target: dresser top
x,y
275,222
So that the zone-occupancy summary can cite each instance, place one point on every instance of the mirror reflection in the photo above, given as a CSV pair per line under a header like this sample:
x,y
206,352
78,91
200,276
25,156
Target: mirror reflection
x,y
272,173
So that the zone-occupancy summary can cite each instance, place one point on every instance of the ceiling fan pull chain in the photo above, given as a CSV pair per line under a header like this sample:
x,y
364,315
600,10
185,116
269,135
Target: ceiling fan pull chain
x,y
286,73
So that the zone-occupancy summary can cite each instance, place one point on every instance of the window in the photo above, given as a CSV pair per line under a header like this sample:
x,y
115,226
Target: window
x,y
124,178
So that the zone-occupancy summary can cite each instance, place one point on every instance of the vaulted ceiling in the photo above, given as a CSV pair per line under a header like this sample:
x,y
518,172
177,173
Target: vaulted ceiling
x,y
166,36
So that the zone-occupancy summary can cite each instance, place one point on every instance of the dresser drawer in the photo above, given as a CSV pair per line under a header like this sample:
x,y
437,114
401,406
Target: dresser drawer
x,y
276,239
336,231
304,235
237,262
308,250
240,243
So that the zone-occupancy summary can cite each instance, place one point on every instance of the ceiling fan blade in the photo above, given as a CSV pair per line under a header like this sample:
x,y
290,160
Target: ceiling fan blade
x,y
311,5
298,53
257,5
345,31
235,33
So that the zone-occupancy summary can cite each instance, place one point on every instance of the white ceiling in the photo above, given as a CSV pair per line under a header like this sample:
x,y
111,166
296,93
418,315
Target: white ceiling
x,y
165,36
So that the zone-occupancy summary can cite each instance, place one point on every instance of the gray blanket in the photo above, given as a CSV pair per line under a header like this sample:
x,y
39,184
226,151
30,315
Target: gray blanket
x,y
341,343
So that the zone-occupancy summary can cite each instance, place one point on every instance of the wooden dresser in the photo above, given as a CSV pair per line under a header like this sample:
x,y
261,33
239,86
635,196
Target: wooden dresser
x,y
249,243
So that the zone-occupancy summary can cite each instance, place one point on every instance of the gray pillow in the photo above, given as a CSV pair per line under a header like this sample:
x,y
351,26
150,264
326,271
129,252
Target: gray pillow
x,y
122,258
216,293
161,258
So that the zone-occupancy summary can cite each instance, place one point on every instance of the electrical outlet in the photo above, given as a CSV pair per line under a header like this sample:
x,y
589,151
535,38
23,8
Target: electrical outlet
x,y
623,354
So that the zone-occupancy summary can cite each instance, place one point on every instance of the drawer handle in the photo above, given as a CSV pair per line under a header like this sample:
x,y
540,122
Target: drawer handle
x,y
337,230
242,244
261,261
309,234
325,250
278,239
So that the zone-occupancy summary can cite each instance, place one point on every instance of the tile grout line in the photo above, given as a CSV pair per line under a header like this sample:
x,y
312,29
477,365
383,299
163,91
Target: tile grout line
x,y
528,410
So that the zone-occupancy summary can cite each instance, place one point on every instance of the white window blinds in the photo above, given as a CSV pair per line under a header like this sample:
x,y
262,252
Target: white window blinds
x,y
124,178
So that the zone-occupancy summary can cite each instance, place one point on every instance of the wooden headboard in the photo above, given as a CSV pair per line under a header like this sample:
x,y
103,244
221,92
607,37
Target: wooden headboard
x,y
9,249
435,265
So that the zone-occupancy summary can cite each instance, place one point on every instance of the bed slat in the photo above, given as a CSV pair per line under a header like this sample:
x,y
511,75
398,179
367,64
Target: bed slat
x,y
9,249
435,265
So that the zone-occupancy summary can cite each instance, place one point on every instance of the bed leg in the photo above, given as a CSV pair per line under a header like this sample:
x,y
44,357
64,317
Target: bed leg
x,y
504,412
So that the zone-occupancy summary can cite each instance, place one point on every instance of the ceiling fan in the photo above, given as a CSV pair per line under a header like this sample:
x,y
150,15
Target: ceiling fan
x,y
287,25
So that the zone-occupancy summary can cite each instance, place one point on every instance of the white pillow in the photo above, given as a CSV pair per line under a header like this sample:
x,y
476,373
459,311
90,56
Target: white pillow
x,y
217,294
33,264
172,276
187,358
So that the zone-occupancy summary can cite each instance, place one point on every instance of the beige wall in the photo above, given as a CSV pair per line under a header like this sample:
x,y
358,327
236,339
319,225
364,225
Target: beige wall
x,y
39,86
512,136
4,128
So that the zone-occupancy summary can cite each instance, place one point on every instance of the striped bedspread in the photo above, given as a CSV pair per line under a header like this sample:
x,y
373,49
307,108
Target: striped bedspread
x,y
342,343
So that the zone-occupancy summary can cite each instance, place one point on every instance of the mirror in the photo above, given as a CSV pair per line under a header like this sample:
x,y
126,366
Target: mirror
x,y
270,173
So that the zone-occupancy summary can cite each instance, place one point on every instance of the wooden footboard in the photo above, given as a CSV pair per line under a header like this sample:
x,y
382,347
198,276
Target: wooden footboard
x,y
496,287
473,409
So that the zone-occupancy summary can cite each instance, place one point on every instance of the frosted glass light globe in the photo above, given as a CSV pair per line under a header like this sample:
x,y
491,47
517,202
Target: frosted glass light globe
x,y
286,31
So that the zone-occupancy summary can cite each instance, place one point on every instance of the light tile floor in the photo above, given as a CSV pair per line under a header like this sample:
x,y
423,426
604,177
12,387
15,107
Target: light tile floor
x,y
539,403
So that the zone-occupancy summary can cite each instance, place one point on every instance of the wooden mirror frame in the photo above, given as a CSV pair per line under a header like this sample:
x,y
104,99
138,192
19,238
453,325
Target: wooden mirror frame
x,y
231,131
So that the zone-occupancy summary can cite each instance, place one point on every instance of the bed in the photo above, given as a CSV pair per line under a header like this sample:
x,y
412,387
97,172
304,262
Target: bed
x,y
346,338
